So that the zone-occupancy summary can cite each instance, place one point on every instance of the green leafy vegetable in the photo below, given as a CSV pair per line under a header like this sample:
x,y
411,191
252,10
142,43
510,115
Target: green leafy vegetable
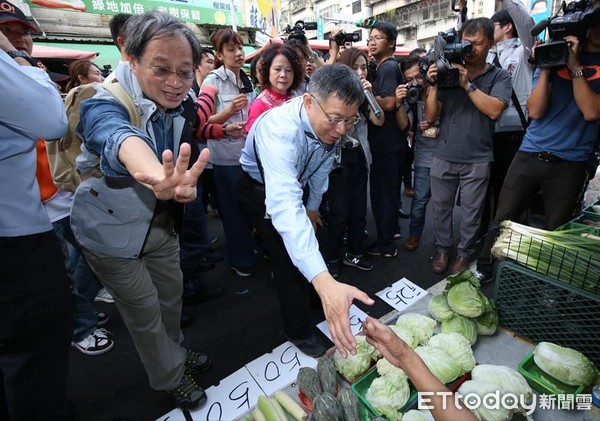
x,y
417,415
457,347
462,325
565,364
507,380
355,365
439,308
406,334
420,325
467,299
487,323
388,398
441,364
394,374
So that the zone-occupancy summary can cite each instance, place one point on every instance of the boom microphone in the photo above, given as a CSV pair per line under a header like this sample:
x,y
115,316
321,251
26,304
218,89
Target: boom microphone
x,y
372,103
539,27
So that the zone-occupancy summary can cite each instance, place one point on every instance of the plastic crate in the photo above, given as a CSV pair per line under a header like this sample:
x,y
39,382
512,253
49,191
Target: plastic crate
x,y
544,383
579,228
542,309
575,268
589,213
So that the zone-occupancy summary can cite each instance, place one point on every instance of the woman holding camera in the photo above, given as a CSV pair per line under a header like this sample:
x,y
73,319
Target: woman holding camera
x,y
235,92
348,180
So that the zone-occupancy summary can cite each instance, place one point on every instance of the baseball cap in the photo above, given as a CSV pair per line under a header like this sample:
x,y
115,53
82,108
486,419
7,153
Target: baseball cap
x,y
11,13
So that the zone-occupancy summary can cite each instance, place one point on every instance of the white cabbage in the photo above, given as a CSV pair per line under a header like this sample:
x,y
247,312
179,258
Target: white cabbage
x,y
420,325
394,374
388,398
418,415
463,325
440,363
406,334
439,308
457,347
565,364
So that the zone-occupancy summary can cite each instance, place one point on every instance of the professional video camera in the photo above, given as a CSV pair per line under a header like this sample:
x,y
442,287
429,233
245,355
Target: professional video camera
x,y
447,49
297,31
341,38
575,19
106,70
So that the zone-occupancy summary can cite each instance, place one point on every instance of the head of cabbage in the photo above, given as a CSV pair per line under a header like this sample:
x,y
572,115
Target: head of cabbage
x,y
462,325
439,308
440,363
457,347
467,300
420,325
565,364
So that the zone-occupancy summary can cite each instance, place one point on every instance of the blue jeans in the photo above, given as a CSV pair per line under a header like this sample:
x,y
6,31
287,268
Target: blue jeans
x,y
420,199
240,245
85,284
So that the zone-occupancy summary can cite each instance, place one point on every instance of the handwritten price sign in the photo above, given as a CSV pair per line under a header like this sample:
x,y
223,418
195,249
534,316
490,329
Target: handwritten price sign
x,y
357,316
276,370
402,294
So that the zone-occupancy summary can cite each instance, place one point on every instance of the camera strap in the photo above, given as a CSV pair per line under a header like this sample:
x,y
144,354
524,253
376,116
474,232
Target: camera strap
x,y
514,98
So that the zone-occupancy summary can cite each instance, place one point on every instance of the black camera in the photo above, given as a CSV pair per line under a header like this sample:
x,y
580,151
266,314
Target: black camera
x,y
575,19
341,38
414,92
106,69
447,49
298,30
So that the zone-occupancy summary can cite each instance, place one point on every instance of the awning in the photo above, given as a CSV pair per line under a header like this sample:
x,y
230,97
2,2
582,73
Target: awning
x,y
103,53
41,51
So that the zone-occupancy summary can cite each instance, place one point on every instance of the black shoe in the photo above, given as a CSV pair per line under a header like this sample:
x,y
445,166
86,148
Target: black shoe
x,y
360,262
202,291
186,319
196,362
311,346
402,214
204,266
211,256
188,394
484,278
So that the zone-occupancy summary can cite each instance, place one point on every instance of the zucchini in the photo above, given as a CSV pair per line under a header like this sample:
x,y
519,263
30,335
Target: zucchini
x,y
290,406
326,408
327,375
270,409
349,403
308,382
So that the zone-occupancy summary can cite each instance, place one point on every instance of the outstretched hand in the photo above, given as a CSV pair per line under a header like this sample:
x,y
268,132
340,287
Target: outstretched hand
x,y
176,182
336,298
385,340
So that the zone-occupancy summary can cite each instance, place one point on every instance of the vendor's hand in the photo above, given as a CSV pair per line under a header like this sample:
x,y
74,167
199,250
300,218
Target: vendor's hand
x,y
176,182
315,218
5,44
239,102
463,81
385,340
573,58
337,298
401,93
366,85
432,73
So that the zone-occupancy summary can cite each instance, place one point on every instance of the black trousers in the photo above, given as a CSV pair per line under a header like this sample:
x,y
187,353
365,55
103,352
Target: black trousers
x,y
293,290
560,183
384,196
36,326
347,204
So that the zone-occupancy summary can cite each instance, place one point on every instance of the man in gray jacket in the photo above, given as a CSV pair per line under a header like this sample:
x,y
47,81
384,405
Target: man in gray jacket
x,y
125,219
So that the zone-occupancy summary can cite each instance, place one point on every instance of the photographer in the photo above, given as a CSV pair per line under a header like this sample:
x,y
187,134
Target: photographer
x,y
424,142
463,155
513,39
565,109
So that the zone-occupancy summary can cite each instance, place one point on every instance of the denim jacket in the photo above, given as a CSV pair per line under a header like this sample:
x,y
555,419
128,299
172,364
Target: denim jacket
x,y
111,215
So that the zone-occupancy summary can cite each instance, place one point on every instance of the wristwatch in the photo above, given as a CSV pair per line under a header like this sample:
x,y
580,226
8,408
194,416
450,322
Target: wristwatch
x,y
471,88
577,73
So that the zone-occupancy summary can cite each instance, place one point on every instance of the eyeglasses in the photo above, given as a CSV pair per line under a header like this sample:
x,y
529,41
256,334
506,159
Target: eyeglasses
x,y
375,39
21,32
338,121
164,73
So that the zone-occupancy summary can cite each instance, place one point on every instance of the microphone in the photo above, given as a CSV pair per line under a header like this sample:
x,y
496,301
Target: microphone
x,y
372,103
539,27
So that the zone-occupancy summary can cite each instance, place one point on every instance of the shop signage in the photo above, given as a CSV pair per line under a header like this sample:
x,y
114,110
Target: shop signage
x,y
402,294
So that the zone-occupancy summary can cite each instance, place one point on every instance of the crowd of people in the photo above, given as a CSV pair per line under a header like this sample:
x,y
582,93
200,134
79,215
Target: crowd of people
x,y
298,144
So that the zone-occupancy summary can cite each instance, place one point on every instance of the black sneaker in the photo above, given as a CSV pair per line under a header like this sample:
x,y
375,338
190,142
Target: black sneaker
x,y
360,262
188,394
388,252
311,346
334,268
196,362
484,278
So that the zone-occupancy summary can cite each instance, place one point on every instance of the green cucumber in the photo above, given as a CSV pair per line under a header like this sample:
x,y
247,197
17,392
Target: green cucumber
x,y
326,408
308,382
349,403
327,375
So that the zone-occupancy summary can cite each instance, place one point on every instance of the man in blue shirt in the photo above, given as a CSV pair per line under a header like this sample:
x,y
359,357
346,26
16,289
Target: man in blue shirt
x,y
564,106
288,148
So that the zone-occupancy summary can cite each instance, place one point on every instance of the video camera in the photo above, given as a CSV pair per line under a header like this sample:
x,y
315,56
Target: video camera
x,y
447,49
341,38
298,30
106,70
575,19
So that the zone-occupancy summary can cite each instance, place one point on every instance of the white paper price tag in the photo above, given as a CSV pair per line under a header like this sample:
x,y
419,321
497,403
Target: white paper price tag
x,y
402,294
276,370
357,316
234,395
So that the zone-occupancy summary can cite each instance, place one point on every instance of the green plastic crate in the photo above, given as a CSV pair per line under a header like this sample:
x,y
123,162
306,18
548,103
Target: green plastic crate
x,y
544,383
588,212
580,227
542,309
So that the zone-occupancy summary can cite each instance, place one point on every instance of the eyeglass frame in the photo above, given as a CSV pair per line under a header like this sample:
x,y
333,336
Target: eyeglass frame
x,y
338,121
375,38
24,32
166,73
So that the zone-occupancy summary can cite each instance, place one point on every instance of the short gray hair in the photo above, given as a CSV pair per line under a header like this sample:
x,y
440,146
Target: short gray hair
x,y
336,80
143,28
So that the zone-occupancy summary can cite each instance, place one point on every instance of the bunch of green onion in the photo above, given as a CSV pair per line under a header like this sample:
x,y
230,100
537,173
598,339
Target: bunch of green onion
x,y
571,256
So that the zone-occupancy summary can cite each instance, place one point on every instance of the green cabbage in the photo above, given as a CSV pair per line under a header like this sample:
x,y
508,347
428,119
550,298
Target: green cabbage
x,y
565,364
355,365
457,347
487,323
406,334
482,388
417,415
467,300
388,398
420,325
440,363
507,380
394,374
439,308
464,326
